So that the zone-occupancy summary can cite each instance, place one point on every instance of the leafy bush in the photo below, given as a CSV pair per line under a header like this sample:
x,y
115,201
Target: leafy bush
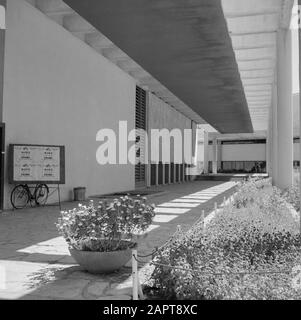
x,y
107,227
292,195
248,191
235,254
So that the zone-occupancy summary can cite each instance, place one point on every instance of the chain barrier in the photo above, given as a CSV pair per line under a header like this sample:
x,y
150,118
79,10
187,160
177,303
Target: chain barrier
x,y
215,273
195,271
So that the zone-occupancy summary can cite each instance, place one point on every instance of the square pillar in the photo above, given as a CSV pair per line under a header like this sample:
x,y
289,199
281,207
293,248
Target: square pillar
x,y
299,38
214,161
274,136
284,109
2,51
268,146
206,152
219,155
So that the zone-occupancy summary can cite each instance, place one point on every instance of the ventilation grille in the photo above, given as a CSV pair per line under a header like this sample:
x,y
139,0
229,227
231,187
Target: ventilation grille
x,y
140,123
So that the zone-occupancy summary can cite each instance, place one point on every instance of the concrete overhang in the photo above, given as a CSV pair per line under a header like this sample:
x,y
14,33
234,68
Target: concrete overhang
x,y
185,45
238,136
253,27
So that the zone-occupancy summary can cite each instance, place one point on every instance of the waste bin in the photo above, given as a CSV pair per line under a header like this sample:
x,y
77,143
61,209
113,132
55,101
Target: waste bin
x,y
79,194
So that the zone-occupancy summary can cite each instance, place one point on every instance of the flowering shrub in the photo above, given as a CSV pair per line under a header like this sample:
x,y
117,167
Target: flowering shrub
x,y
248,191
106,227
246,252
292,195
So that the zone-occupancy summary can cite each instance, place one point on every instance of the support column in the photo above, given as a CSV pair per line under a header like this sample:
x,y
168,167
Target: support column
x,y
2,48
268,146
206,151
269,138
2,53
299,35
274,153
284,109
219,155
214,162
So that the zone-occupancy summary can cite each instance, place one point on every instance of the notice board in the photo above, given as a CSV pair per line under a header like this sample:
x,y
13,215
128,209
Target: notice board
x,y
32,164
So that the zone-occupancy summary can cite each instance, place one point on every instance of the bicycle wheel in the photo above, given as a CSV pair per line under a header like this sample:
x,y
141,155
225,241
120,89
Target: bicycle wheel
x,y
19,197
41,194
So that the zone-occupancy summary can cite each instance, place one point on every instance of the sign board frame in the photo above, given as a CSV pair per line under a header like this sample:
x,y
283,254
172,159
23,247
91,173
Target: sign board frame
x,y
11,165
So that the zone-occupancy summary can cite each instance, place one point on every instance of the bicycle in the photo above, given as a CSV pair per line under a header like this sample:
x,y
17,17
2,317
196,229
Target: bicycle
x,y
22,194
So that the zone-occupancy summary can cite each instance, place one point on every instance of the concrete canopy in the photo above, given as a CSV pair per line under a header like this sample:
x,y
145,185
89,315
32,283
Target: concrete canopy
x,y
183,44
253,26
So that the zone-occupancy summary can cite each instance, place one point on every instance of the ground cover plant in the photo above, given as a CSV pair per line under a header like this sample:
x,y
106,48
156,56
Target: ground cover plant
x,y
292,195
250,250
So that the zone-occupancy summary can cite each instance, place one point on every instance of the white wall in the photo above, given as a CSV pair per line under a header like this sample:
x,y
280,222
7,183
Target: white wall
x,y
60,91
296,113
241,152
247,152
162,115
296,151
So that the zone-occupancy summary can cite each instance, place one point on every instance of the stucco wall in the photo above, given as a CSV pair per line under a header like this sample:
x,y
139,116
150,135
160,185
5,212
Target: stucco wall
x,y
163,116
60,91
296,151
240,152
296,119
245,152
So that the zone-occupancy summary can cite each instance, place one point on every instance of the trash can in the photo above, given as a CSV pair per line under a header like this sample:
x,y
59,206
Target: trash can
x,y
79,194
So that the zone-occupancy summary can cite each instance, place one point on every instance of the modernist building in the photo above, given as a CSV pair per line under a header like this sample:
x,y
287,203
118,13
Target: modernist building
x,y
241,153
70,68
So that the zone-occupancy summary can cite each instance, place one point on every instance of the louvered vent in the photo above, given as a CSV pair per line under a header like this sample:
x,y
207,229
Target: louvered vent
x,y
140,123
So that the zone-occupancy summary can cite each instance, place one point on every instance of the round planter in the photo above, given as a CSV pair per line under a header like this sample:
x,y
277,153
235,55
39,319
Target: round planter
x,y
101,262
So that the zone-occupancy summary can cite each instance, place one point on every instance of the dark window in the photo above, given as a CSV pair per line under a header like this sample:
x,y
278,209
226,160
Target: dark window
x,y
182,172
243,167
177,172
160,173
172,172
167,170
253,141
153,174
185,172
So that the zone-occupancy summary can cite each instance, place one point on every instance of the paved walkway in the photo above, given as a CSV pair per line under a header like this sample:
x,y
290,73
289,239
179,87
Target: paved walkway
x,y
35,262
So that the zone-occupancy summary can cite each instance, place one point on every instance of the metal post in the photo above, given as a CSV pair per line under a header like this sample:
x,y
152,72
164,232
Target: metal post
x,y
203,220
140,291
59,196
135,274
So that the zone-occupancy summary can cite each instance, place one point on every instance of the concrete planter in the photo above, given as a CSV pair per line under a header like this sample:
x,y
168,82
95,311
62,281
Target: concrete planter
x,y
101,262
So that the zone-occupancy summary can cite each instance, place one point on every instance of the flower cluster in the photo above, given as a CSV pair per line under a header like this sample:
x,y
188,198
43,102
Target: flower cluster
x,y
248,191
107,226
292,195
247,252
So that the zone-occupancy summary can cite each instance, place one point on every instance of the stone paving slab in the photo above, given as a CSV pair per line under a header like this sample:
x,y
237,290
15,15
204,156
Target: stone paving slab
x,y
37,262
